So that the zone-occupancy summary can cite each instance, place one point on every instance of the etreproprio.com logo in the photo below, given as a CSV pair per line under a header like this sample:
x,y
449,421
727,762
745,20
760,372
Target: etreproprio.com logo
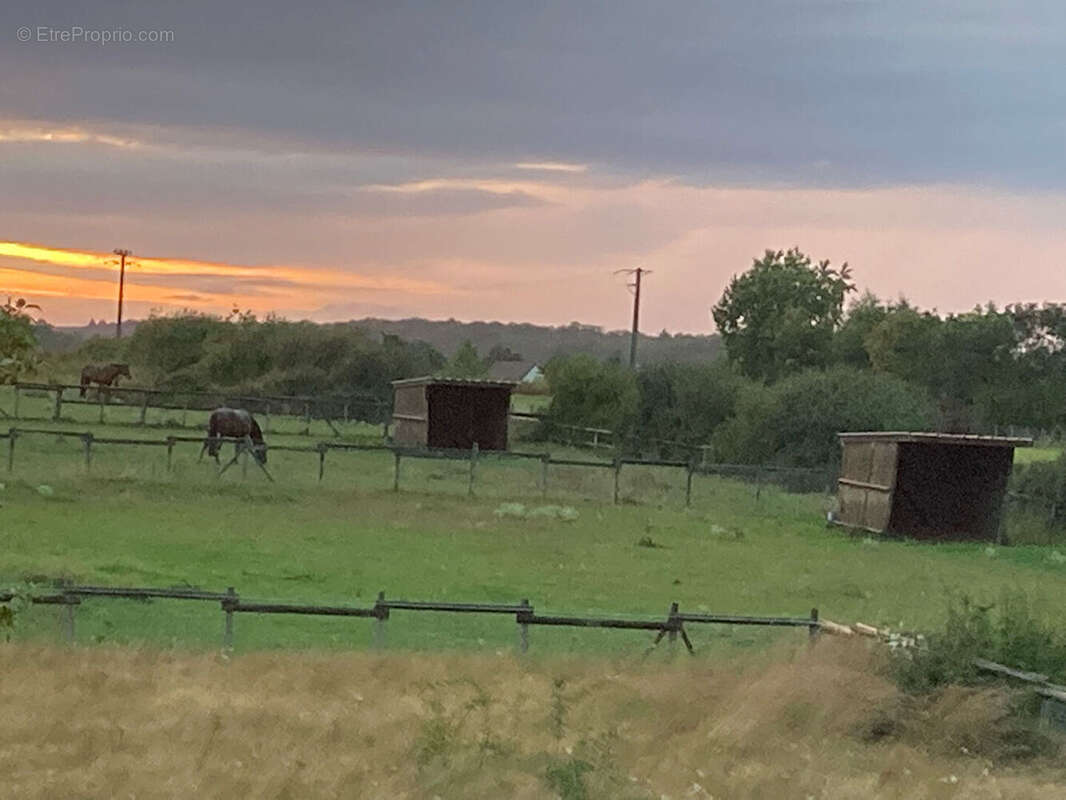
x,y
77,34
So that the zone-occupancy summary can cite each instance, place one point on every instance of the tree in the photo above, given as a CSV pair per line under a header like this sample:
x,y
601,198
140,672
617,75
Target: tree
x,y
501,352
466,363
779,316
18,346
849,342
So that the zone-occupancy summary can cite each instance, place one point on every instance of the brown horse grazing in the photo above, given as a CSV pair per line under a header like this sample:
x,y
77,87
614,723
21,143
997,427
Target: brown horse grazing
x,y
233,423
102,375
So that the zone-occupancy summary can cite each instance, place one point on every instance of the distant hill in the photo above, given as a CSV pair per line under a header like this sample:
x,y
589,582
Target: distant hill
x,y
540,342
532,342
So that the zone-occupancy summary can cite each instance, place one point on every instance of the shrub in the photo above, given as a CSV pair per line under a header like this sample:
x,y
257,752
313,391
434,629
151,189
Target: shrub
x,y
795,422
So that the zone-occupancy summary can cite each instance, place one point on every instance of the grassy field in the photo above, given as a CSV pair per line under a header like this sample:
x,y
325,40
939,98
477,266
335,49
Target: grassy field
x,y
131,523
791,723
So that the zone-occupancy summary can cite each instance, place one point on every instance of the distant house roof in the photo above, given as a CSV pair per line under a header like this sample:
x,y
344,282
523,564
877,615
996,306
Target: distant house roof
x,y
511,370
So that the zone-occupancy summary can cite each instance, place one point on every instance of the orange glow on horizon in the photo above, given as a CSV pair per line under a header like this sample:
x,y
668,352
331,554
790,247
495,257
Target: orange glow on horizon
x,y
321,277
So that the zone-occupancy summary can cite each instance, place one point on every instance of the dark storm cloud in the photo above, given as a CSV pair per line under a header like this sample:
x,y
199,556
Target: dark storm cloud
x,y
797,91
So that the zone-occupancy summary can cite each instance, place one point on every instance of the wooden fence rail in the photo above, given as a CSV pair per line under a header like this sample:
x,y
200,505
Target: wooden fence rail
x,y
70,596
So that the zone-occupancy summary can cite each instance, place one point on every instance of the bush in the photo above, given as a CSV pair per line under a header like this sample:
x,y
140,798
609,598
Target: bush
x,y
1009,632
795,422
590,394
1039,506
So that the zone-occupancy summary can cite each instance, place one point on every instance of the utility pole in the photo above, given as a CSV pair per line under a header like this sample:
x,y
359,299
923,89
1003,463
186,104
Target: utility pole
x,y
635,286
123,255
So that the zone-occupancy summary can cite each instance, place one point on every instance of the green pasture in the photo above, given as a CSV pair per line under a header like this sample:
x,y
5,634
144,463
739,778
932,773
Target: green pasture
x,y
130,522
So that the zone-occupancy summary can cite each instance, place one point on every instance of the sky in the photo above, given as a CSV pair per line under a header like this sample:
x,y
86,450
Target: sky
x,y
503,160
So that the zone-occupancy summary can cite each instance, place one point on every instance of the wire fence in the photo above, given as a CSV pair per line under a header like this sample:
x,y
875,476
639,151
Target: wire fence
x,y
795,480
69,597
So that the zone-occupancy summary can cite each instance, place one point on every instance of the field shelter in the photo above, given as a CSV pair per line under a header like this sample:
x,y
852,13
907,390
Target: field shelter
x,y
925,485
451,412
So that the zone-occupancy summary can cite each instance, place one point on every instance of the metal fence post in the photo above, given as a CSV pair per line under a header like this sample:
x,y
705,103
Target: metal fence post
x,y
473,469
321,460
815,627
144,408
87,440
227,605
12,434
617,474
100,401
381,613
59,404
688,485
523,627
396,473
170,453
18,394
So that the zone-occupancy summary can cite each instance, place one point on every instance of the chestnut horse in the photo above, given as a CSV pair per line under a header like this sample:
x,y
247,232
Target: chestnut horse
x,y
102,375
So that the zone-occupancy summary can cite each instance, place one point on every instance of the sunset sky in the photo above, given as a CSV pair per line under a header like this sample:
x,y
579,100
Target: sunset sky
x,y
500,160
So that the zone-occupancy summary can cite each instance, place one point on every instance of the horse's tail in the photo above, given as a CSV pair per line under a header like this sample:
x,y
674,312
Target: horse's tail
x,y
255,432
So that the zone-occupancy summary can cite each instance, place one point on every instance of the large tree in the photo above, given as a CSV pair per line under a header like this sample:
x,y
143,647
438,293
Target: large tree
x,y
780,315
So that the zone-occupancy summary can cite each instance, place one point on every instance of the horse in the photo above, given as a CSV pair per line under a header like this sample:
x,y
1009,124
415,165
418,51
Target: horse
x,y
102,375
234,423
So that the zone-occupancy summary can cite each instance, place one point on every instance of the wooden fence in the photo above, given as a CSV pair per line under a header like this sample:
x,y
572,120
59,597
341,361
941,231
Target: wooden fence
x,y
758,474
328,408
70,596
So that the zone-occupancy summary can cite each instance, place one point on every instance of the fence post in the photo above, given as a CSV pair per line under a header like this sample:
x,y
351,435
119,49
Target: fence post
x,y
87,440
307,418
544,461
473,468
321,460
346,408
396,473
688,484
18,394
617,473
671,620
144,408
758,482
381,613
227,605
67,617
523,627
815,627
170,453
12,434
59,404
100,402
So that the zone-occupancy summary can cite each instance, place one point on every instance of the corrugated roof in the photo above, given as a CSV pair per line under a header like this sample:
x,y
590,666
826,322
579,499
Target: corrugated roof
x,y
475,382
930,436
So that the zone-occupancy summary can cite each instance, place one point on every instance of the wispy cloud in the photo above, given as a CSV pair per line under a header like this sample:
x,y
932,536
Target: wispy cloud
x,y
552,166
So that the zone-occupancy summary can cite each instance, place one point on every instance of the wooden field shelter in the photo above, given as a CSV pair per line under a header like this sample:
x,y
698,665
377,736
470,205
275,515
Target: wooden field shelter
x,y
931,486
451,413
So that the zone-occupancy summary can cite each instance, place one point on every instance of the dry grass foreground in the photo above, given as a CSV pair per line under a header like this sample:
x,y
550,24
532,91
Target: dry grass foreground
x,y
127,723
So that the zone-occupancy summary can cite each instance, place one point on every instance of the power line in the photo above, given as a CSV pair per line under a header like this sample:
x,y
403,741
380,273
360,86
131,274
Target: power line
x,y
635,286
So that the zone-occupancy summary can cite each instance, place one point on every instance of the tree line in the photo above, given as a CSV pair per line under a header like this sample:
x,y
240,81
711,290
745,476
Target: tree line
x,y
805,359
